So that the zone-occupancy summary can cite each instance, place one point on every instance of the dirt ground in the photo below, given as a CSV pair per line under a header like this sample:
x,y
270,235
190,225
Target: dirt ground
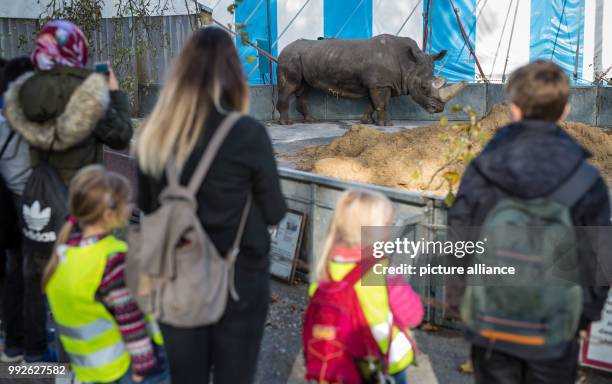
x,y
281,362
417,158
440,353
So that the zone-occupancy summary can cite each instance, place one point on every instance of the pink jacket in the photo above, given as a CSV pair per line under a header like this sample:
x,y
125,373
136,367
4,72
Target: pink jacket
x,y
404,303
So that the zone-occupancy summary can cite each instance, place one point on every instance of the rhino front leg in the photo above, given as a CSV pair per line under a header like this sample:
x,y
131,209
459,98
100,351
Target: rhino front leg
x,y
380,99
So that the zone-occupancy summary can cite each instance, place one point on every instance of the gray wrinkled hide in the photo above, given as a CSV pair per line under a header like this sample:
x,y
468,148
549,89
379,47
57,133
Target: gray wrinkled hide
x,y
378,68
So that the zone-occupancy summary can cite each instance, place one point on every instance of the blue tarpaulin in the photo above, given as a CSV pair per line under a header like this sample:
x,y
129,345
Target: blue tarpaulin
x,y
554,29
259,16
445,34
554,33
347,19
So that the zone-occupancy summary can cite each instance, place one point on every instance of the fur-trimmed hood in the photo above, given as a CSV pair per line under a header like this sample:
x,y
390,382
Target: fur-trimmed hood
x,y
86,106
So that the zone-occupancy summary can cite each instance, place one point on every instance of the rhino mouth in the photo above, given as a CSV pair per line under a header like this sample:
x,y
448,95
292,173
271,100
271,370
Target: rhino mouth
x,y
441,94
435,106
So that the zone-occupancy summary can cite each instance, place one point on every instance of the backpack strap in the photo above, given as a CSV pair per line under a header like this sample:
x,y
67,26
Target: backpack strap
x,y
211,151
232,254
172,173
6,143
355,274
576,186
198,178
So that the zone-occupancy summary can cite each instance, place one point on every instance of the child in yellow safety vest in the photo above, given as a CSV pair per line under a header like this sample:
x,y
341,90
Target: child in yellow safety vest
x,y
391,306
106,336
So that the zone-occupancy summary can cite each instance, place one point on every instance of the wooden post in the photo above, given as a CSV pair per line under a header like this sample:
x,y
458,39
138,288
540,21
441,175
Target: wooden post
x,y
577,59
426,26
467,42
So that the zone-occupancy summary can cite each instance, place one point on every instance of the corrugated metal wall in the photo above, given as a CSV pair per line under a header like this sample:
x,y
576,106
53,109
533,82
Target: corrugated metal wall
x,y
165,35
16,36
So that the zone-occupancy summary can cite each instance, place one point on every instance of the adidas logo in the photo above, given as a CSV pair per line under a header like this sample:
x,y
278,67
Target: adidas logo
x,y
37,219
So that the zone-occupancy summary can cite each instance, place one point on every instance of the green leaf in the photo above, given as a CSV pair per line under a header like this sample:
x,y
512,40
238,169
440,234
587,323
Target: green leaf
x,y
452,177
456,108
484,137
250,59
244,37
449,200
444,121
468,158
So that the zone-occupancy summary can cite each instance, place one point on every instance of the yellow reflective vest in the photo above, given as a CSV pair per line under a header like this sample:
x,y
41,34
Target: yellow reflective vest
x,y
374,301
87,330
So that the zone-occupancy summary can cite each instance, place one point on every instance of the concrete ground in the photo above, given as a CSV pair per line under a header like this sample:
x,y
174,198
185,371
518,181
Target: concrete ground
x,y
440,352
281,362
288,139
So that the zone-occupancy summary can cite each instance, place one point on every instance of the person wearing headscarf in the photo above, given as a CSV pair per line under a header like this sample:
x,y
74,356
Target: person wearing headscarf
x,y
65,109
66,113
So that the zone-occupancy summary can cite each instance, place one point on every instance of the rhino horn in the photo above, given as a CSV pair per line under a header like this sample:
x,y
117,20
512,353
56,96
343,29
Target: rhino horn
x,y
451,91
438,83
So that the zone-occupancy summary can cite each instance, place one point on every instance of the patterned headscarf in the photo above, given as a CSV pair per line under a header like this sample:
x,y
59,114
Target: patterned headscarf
x,y
60,42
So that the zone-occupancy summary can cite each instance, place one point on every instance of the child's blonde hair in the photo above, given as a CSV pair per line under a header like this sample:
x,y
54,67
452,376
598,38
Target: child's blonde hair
x,y
356,208
93,190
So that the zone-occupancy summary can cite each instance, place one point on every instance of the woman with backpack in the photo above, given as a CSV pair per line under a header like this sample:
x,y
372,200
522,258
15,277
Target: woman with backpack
x,y
66,113
204,87
347,321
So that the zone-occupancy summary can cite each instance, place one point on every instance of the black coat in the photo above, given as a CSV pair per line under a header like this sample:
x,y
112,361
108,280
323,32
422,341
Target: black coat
x,y
530,159
67,102
245,162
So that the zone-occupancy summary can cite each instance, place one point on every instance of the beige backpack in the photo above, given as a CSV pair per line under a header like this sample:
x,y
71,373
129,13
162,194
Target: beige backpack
x,y
174,271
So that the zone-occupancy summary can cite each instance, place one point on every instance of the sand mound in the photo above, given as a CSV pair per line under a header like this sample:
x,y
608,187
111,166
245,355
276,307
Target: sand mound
x,y
597,141
413,158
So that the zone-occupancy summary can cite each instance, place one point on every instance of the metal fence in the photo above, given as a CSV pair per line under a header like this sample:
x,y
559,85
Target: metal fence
x,y
421,215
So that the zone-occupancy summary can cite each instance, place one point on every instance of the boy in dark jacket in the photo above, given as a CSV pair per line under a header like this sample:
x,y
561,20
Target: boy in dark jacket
x,y
530,158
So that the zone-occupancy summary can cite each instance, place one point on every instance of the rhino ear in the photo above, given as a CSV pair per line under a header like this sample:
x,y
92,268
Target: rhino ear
x,y
439,55
416,54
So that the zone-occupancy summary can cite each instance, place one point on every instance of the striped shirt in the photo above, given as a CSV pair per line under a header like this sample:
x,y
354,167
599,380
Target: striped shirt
x,y
113,293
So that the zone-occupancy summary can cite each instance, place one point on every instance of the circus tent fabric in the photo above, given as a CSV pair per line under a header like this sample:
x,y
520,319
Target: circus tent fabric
x,y
503,34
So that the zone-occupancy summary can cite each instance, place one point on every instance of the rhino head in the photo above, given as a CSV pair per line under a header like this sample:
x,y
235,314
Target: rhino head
x,y
429,91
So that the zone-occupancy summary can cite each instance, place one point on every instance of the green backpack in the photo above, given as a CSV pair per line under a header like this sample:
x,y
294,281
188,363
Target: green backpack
x,y
540,305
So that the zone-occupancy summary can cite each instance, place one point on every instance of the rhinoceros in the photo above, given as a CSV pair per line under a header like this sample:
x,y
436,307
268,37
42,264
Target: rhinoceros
x,y
379,68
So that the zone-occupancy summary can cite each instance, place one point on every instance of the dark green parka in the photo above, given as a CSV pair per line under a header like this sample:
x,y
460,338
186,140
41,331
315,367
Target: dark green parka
x,y
67,115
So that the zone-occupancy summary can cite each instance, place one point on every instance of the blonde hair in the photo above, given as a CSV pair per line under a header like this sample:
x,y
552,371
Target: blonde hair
x,y
93,190
355,209
207,74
